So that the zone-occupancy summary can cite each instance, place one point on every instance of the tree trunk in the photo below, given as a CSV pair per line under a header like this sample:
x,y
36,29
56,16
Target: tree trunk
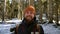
x,y
40,9
50,10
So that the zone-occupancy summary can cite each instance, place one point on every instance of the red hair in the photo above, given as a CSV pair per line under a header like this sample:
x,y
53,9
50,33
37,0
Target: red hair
x,y
30,8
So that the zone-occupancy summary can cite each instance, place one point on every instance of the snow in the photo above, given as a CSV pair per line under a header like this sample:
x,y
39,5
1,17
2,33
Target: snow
x,y
50,29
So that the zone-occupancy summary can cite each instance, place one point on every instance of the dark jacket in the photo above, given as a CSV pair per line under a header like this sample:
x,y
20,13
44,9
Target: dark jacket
x,y
25,28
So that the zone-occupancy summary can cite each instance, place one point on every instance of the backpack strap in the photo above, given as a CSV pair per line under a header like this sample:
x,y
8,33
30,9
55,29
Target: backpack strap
x,y
40,29
35,29
22,27
16,29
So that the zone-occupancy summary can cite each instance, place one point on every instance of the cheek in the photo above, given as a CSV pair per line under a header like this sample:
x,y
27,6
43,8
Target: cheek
x,y
32,16
25,15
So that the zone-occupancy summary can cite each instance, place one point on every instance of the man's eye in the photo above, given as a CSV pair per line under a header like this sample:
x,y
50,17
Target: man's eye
x,y
27,12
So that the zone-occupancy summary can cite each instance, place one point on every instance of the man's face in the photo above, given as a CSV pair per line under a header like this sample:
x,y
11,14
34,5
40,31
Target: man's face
x,y
29,15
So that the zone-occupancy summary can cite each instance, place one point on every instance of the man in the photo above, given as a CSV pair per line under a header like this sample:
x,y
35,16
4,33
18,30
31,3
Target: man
x,y
29,23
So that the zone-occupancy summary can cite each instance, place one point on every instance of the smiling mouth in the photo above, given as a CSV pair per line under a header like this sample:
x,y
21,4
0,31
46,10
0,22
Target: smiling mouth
x,y
28,17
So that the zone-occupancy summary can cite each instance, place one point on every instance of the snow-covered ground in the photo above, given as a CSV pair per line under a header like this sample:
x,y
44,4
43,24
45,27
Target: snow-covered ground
x,y
7,25
50,29
5,28
13,21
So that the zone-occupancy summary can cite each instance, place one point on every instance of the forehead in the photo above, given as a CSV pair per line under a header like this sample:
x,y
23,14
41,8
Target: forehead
x,y
29,11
